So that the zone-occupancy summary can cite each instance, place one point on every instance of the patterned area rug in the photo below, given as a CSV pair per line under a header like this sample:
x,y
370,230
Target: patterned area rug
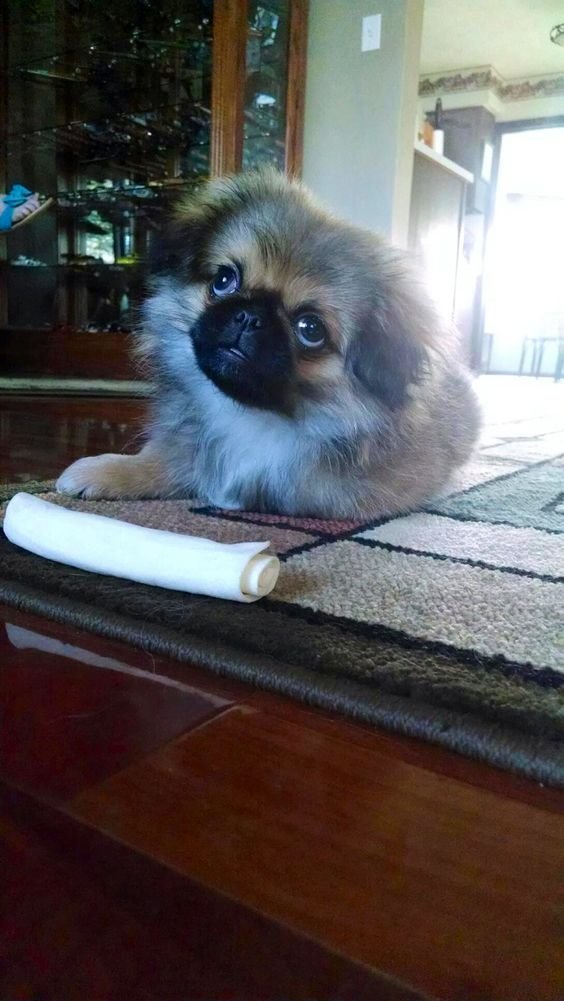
x,y
446,624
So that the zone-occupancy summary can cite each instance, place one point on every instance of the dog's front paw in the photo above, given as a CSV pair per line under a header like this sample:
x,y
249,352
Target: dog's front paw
x,y
99,476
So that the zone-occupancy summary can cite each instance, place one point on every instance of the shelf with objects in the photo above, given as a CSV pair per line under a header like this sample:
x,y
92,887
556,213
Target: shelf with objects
x,y
115,111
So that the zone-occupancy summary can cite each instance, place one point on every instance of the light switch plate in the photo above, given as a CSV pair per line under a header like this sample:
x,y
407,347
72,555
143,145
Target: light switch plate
x,y
371,32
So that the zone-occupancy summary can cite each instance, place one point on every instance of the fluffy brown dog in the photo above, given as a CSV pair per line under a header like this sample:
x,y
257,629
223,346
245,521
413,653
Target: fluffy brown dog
x,y
299,367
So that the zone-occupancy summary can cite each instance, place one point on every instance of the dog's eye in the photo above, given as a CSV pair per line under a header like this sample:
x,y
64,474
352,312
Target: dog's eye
x,y
227,281
310,331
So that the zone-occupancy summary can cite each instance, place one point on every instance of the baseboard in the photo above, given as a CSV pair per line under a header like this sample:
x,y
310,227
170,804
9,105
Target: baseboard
x,y
73,387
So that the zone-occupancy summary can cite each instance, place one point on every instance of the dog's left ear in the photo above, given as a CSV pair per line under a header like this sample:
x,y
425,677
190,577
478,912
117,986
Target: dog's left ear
x,y
389,350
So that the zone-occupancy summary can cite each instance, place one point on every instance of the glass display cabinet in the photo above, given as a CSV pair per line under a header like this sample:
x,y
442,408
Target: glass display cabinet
x,y
113,109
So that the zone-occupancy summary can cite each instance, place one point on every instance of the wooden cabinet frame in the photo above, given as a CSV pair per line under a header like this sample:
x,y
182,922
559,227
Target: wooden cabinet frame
x,y
228,85
38,356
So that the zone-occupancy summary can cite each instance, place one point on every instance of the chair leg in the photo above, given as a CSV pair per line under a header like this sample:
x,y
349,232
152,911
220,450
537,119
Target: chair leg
x,y
523,355
559,362
490,348
539,359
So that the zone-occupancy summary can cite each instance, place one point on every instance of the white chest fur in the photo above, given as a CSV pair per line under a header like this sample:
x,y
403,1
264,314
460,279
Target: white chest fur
x,y
244,453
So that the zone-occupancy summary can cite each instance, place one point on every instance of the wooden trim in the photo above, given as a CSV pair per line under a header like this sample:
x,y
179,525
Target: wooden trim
x,y
295,94
3,149
66,354
228,85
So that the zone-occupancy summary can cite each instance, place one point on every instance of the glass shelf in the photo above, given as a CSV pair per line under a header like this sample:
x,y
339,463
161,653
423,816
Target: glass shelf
x,y
78,269
107,107
267,81
108,110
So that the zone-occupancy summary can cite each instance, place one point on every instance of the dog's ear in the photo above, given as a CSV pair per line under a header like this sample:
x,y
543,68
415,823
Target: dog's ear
x,y
389,349
385,362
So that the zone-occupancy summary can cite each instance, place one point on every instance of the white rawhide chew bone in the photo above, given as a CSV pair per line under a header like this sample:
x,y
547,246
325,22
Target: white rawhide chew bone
x,y
240,572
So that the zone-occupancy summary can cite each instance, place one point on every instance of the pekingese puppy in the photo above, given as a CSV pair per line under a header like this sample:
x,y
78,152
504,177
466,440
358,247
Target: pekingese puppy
x,y
299,367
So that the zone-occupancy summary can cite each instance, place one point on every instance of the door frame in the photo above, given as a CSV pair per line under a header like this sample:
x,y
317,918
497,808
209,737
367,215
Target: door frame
x,y
501,129
228,85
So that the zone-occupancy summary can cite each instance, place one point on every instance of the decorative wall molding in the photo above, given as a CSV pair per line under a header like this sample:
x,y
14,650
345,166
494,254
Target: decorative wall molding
x,y
524,90
487,78
454,81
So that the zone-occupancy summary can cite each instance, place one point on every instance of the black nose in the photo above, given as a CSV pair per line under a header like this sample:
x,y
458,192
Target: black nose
x,y
248,320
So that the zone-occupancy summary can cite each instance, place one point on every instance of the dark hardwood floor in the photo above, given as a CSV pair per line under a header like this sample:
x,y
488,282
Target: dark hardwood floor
x,y
40,435
170,835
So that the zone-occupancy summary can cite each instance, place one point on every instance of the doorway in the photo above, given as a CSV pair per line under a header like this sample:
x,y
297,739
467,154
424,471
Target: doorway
x,y
523,302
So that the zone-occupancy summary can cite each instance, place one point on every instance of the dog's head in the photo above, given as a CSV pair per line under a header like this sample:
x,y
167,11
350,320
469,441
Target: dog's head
x,y
282,306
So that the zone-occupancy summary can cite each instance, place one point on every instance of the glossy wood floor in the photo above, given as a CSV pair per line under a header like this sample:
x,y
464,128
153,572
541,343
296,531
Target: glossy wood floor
x,y
171,835
40,435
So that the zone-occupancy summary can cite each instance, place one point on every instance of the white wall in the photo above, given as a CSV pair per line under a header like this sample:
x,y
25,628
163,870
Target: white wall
x,y
536,107
361,110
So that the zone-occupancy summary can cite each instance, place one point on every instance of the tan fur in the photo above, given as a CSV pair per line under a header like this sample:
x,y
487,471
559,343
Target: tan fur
x,y
380,419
